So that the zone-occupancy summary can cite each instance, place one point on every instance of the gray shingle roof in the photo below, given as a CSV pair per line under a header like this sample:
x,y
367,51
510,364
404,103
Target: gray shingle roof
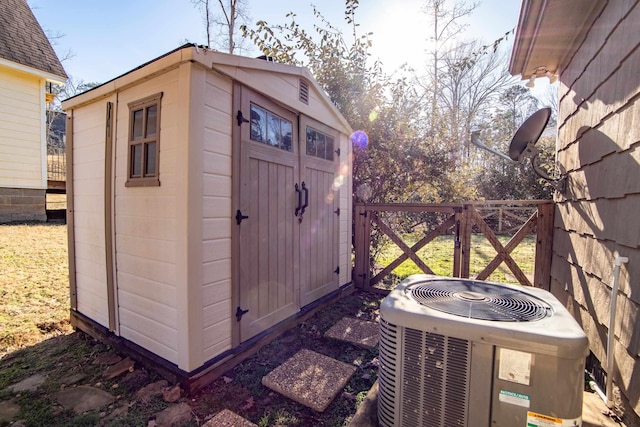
x,y
23,41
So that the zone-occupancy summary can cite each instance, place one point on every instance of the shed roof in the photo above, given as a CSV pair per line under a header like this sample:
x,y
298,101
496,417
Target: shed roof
x,y
549,31
231,65
22,41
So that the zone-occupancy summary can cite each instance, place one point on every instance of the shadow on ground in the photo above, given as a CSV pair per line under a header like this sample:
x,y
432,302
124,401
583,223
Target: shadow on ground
x,y
75,380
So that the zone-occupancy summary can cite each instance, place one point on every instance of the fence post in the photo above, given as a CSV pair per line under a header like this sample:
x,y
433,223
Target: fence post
x,y
457,248
362,241
544,241
465,239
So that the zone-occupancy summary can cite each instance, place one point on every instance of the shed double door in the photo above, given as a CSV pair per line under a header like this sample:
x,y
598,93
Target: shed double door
x,y
288,244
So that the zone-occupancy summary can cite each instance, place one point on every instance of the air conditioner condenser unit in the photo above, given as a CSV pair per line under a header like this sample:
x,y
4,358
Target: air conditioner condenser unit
x,y
461,352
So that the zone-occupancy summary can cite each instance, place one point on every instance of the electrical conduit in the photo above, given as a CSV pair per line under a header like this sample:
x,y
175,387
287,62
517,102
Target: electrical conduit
x,y
619,260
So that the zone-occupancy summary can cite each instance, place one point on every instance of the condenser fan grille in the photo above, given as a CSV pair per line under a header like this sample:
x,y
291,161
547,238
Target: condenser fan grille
x,y
479,300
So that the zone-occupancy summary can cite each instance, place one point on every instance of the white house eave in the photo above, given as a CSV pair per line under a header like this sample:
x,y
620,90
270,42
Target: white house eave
x,y
548,33
59,80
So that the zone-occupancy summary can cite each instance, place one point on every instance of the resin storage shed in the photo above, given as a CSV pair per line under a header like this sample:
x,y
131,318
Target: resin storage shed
x,y
209,200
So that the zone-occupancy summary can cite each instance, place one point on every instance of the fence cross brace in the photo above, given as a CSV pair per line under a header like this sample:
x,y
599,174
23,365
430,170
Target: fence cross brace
x,y
504,252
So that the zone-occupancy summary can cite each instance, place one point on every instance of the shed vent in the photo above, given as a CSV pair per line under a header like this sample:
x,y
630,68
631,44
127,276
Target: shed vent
x,y
304,92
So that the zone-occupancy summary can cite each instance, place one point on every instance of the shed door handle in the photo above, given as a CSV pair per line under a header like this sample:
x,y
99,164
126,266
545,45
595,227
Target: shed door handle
x,y
299,193
306,198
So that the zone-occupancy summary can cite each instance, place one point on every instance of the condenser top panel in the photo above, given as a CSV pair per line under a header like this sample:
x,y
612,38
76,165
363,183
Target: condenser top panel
x,y
479,300
491,313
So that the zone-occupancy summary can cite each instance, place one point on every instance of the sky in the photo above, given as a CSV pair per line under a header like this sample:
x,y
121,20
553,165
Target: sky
x,y
108,38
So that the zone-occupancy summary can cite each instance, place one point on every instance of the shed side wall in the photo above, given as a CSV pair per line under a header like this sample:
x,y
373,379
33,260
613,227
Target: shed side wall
x,y
88,203
216,215
344,180
146,224
599,147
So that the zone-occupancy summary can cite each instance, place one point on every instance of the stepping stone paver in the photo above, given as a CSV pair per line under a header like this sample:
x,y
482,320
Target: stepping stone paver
x,y
83,398
356,331
28,384
310,378
228,418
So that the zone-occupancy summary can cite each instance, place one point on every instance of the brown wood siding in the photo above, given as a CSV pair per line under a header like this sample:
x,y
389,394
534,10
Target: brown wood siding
x,y
597,217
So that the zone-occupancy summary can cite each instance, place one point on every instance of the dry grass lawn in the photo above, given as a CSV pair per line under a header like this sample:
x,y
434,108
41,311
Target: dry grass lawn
x,y
34,303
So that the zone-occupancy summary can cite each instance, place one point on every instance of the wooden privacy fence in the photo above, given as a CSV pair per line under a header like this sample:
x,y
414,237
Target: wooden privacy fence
x,y
459,220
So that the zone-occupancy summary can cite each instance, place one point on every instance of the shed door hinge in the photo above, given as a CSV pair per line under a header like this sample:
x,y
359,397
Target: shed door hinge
x,y
240,217
338,152
337,270
337,212
240,312
240,118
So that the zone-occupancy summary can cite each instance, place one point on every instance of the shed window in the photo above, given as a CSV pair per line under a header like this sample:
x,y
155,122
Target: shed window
x,y
144,142
270,129
319,144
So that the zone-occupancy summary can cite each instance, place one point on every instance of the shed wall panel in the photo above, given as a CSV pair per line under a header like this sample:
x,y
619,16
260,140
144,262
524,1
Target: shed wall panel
x,y
345,182
163,337
596,219
146,273
216,213
22,127
88,202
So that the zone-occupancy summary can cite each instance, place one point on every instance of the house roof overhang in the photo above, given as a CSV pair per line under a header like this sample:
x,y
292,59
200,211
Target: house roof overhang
x,y
548,33
50,77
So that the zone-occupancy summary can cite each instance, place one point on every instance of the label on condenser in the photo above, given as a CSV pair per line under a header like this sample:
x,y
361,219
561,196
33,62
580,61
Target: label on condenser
x,y
514,398
539,420
515,366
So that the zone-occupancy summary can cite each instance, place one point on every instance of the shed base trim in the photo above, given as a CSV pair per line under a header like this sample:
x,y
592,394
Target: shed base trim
x,y
195,380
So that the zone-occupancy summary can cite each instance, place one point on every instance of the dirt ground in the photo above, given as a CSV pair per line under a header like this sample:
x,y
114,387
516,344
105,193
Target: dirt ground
x,y
76,360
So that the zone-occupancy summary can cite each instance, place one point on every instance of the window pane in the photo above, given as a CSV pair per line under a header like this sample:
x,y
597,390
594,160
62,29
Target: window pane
x,y
273,136
152,119
137,124
258,124
287,132
320,145
136,160
150,159
311,142
330,151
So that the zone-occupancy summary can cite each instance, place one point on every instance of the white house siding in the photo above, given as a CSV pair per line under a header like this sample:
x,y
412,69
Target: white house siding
x,y
597,218
216,215
88,200
22,142
146,227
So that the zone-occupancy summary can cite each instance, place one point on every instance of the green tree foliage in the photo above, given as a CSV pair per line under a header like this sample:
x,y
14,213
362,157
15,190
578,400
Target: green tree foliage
x,y
500,180
402,162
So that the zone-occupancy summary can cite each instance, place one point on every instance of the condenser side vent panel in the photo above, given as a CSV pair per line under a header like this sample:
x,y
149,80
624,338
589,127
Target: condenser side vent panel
x,y
387,373
434,378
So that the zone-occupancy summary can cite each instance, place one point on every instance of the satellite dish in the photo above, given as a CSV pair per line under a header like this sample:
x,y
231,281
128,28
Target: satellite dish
x,y
523,145
528,134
